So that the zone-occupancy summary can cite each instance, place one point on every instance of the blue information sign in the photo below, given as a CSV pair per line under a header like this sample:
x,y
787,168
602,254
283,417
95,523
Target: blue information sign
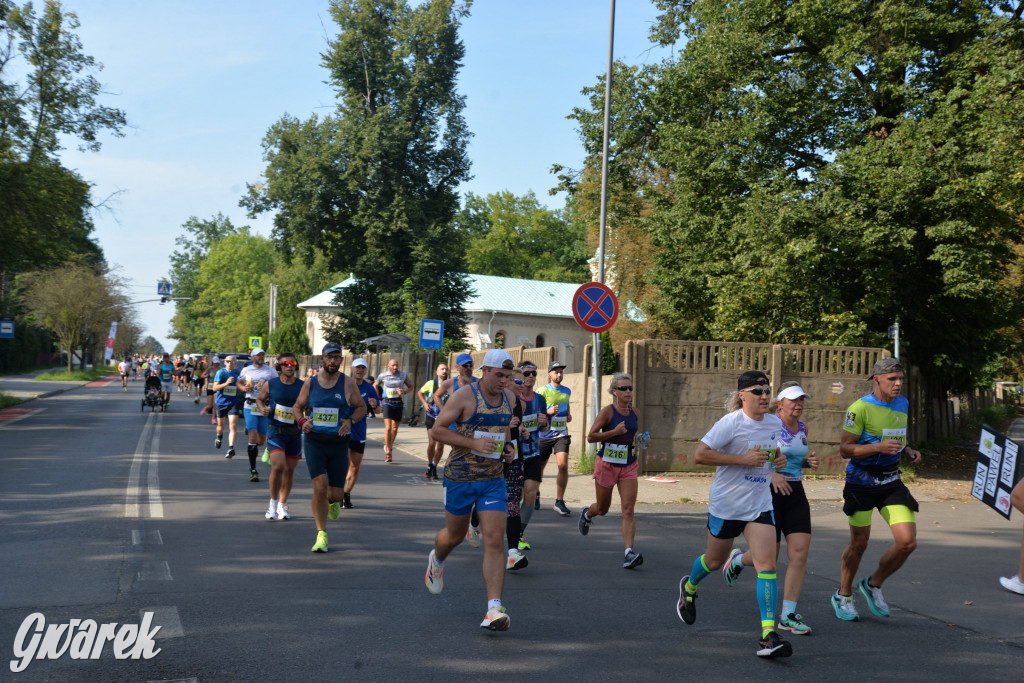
x,y
431,334
163,289
7,329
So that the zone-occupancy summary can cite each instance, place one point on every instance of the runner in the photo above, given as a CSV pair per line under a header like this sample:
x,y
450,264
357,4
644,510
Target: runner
x,y
334,404
473,477
556,439
464,368
250,380
224,384
199,369
275,401
1015,584
165,371
741,445
211,373
123,368
357,440
616,464
431,409
392,386
135,367
874,436
513,473
790,506
535,420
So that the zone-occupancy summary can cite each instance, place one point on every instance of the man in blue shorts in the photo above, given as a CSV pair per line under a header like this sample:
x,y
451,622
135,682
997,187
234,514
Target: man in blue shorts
x,y
874,436
250,380
357,439
474,475
275,401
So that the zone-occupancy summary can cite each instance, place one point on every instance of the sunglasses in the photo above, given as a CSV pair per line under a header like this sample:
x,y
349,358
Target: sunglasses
x,y
626,388
467,365
530,373
289,363
760,391
518,381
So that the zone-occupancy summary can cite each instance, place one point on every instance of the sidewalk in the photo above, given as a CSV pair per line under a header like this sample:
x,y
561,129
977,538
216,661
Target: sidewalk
x,y
26,387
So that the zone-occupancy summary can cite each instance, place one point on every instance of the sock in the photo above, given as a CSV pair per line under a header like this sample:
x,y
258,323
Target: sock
x,y
524,514
697,574
586,517
491,604
273,503
253,451
628,551
474,519
788,607
513,530
767,597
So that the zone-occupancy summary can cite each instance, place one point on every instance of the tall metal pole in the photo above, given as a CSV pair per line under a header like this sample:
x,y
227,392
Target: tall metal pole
x,y
595,403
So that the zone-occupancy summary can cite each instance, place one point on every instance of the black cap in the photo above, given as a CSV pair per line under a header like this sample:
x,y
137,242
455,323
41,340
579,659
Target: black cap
x,y
555,365
751,378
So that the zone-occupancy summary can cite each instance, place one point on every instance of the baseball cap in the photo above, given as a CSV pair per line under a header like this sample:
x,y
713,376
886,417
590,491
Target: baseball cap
x,y
330,347
555,365
883,366
751,378
359,363
792,393
216,360
497,358
257,351
463,359
527,364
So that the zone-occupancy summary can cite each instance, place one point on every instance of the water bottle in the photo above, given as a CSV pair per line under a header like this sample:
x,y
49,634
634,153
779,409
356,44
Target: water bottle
x,y
644,439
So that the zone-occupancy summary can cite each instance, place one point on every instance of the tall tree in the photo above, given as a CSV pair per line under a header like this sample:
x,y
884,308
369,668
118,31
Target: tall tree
x,y
373,186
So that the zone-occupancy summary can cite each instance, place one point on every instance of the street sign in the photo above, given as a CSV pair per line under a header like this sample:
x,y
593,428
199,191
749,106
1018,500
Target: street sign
x,y
7,329
595,307
255,342
431,334
163,289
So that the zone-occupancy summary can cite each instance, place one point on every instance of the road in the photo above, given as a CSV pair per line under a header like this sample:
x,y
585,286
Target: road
x,y
108,513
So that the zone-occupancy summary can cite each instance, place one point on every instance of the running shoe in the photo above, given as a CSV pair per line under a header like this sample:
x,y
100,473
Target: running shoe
x,y
321,542
516,560
686,608
282,512
1012,584
254,475
271,513
213,420
347,502
496,619
560,508
433,475
266,455
430,470
844,607
387,457
733,567
773,646
876,603
435,575
197,403
334,511
632,560
523,543
217,441
536,503
795,623
230,453
584,523
473,536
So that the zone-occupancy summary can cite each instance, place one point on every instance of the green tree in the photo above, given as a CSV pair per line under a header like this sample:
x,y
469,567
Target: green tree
x,y
826,167
291,337
374,185
150,345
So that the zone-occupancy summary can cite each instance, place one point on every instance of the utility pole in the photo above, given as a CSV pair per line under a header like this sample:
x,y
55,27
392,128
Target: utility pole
x,y
273,310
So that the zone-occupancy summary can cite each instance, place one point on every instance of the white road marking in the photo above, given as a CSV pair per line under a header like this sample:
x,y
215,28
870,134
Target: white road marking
x,y
154,571
149,538
151,457
167,619
156,504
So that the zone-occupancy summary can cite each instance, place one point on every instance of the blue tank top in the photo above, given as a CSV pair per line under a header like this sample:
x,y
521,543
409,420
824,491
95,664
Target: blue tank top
x,y
367,391
529,448
327,408
794,447
618,450
282,397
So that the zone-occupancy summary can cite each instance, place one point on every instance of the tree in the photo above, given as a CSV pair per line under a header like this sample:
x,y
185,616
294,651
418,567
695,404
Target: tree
x,y
512,236
150,346
76,303
290,337
826,167
374,185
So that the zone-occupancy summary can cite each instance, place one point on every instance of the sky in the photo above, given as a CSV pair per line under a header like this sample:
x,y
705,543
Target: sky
x,y
201,83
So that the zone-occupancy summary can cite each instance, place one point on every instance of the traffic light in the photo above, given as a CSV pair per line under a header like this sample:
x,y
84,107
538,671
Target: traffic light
x,y
163,299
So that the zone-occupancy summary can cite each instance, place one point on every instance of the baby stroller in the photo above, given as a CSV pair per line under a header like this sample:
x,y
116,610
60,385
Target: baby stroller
x,y
151,394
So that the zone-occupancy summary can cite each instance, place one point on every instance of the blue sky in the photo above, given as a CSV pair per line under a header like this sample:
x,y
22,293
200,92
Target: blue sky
x,y
201,82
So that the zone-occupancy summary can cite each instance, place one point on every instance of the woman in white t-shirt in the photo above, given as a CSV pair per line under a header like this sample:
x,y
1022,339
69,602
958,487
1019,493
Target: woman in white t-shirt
x,y
741,445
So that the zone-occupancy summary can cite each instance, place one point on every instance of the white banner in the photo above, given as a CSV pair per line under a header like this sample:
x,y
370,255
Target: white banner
x,y
109,353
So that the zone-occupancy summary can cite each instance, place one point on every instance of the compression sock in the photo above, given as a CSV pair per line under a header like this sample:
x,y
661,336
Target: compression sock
x,y
513,530
474,519
254,451
697,574
525,512
767,597
788,607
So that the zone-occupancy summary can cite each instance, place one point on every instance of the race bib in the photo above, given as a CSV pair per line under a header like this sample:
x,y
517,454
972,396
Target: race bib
x,y
391,393
499,439
559,424
325,417
284,414
615,453
229,390
530,422
900,434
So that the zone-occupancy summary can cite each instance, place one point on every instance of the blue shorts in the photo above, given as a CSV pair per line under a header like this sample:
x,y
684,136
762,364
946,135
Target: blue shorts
x,y
460,496
731,528
291,444
254,421
229,409
330,459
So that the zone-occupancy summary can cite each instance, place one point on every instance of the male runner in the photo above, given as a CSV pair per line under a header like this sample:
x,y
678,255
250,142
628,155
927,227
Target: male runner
x,y
473,477
211,373
556,438
275,401
392,386
874,436
431,409
334,404
165,371
462,378
123,368
199,368
224,384
535,420
250,380
357,440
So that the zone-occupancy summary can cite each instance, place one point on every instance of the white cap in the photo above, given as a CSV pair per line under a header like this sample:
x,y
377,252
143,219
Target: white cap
x,y
257,351
496,358
792,393
359,363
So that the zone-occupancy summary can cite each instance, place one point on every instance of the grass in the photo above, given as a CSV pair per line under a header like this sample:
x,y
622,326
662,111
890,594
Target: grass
x,y
8,401
74,375
25,371
586,464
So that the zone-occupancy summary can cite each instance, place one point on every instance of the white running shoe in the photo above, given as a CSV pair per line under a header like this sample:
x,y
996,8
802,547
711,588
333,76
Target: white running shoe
x,y
271,513
473,536
496,619
516,560
435,575
1012,584
282,511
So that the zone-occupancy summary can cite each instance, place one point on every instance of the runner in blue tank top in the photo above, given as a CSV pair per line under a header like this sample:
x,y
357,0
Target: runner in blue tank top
x,y
275,401
333,404
357,440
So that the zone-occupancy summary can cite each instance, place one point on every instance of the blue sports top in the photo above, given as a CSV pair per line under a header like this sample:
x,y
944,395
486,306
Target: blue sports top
x,y
282,397
794,447
328,407
529,448
618,450
874,421
366,390
229,394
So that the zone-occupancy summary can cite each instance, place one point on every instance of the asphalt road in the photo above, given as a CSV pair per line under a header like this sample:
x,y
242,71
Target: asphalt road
x,y
85,535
